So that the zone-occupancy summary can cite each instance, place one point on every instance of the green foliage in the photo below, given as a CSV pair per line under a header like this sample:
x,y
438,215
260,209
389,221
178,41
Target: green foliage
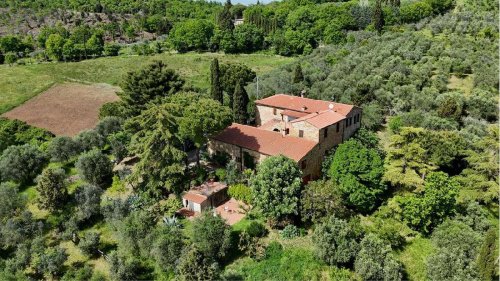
x,y
54,46
52,189
395,124
337,241
240,192
297,76
415,11
195,265
62,148
457,247
122,267
111,49
115,108
290,231
89,243
216,89
89,140
88,202
375,261
233,74
109,125
21,163
95,168
378,17
232,175
240,102
225,18
211,235
118,143
168,247
358,171
276,187
191,35
51,262
11,202
149,85
322,199
426,210
220,174
487,257
155,141
78,274
256,229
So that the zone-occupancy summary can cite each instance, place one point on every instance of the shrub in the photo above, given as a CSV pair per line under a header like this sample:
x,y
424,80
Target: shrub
x,y
415,11
109,125
241,192
52,189
88,200
115,108
290,231
21,163
274,249
256,229
395,123
89,243
220,174
90,139
95,168
63,148
111,49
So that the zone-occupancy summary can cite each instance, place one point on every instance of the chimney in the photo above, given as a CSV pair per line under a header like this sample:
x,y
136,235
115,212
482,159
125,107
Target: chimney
x,y
330,106
302,93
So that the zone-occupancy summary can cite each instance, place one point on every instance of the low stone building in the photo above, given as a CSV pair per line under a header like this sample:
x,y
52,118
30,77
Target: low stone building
x,y
206,196
300,128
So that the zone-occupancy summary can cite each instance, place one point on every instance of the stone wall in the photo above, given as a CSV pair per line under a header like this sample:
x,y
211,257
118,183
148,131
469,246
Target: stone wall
x,y
264,114
350,130
310,132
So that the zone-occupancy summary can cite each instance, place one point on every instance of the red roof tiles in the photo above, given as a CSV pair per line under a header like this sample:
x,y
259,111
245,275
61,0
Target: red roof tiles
x,y
303,104
265,142
193,197
293,113
321,119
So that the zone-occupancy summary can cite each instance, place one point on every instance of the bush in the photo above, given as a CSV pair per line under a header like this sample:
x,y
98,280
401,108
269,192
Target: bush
x,y
415,11
21,163
89,243
95,168
274,249
88,200
220,173
115,108
52,189
395,124
90,139
290,231
109,125
241,192
256,229
111,49
62,149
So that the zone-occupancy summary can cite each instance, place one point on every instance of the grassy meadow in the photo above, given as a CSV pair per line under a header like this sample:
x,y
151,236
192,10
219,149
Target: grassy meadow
x,y
19,83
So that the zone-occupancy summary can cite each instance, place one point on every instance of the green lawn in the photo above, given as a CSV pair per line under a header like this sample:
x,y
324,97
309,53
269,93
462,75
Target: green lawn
x,y
21,82
414,258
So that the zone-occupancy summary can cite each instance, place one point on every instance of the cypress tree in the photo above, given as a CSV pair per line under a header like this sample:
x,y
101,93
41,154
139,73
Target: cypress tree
x,y
240,103
216,90
297,74
378,17
487,256
225,17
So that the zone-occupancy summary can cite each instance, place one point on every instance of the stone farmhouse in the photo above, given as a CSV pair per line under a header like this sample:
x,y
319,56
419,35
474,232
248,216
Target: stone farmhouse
x,y
300,128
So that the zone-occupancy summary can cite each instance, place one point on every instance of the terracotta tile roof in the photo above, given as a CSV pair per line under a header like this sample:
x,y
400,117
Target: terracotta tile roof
x,y
271,124
193,197
321,119
293,113
265,142
303,104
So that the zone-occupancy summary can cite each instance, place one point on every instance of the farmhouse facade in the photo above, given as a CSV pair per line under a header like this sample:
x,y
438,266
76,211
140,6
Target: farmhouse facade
x,y
206,196
300,128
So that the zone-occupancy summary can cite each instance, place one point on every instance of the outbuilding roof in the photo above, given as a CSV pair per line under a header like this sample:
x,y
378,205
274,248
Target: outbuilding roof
x,y
265,142
300,104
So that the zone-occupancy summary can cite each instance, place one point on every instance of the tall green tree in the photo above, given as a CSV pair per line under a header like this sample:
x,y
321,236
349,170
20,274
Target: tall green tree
x,y
216,89
358,171
212,235
149,85
378,17
337,241
155,140
276,188
54,47
240,113
375,261
488,256
231,75
298,76
195,265
95,168
321,199
425,210
225,18
202,119
21,163
52,189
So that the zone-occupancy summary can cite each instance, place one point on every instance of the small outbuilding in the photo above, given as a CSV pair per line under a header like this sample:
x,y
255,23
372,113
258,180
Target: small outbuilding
x,y
206,196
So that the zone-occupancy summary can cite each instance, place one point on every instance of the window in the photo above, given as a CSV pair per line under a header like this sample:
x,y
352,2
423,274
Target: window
x,y
347,122
350,121
301,133
325,133
287,131
303,164
275,111
338,127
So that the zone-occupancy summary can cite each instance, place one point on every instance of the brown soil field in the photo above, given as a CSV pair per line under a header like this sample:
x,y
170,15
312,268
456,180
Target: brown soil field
x,y
65,109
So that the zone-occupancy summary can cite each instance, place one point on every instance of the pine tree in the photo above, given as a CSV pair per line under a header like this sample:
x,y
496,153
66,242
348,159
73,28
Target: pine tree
x,y
487,256
297,74
378,17
52,189
215,80
240,104
225,17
